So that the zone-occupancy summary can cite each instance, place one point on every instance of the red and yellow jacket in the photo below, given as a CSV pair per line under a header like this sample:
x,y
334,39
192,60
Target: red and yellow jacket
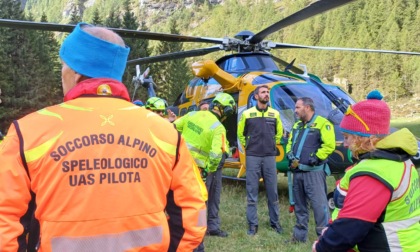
x,y
102,174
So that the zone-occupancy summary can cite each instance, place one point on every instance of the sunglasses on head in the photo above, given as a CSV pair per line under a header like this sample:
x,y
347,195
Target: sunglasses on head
x,y
351,112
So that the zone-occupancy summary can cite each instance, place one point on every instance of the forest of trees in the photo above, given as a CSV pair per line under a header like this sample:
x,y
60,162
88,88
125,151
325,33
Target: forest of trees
x,y
30,67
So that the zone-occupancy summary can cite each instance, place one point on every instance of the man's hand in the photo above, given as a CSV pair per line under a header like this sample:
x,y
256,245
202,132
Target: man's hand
x,y
171,115
314,246
290,156
293,161
313,159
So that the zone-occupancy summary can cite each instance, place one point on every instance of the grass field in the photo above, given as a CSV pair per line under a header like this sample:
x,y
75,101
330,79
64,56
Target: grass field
x,y
233,218
413,124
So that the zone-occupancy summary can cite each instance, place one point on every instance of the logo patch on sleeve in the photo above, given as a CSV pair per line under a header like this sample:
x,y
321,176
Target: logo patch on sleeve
x,y
328,127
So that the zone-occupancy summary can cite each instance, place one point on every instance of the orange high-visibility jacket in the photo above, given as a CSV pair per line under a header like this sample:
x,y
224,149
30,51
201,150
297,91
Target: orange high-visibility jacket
x,y
103,175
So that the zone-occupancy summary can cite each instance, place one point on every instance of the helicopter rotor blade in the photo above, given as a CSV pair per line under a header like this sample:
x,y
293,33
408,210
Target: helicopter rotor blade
x,y
294,46
286,64
311,10
122,32
175,55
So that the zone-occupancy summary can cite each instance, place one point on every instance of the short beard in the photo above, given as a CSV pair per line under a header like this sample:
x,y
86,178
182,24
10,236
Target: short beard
x,y
263,101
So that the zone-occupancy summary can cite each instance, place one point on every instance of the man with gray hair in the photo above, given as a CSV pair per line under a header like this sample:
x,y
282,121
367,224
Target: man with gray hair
x,y
310,143
87,180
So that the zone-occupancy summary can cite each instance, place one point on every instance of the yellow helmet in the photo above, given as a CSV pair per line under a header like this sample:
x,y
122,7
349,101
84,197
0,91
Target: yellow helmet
x,y
226,102
156,103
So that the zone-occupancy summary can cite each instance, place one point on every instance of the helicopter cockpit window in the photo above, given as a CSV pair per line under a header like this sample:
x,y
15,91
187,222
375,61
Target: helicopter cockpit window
x,y
246,63
183,111
342,102
212,87
268,78
236,64
283,98
191,87
192,108
251,101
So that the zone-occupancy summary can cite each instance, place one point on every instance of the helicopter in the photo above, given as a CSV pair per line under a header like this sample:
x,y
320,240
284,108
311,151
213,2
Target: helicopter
x,y
239,73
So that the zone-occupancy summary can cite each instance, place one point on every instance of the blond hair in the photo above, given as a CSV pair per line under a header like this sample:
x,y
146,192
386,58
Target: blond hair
x,y
362,144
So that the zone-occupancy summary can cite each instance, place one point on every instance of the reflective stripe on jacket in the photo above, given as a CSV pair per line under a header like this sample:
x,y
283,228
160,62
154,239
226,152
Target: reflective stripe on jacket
x,y
399,224
102,172
259,131
205,136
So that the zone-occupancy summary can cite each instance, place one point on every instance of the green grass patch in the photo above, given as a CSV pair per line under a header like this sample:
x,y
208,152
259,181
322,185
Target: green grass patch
x,y
413,124
233,220
233,214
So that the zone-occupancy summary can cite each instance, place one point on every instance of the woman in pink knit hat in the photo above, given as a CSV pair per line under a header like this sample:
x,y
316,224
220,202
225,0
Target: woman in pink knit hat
x,y
379,197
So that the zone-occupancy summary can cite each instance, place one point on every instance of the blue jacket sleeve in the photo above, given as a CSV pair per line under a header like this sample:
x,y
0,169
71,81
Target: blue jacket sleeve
x,y
341,235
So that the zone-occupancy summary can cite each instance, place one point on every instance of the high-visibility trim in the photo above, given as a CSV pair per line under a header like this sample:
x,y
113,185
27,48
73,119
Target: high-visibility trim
x,y
49,113
199,151
68,106
166,147
39,151
202,218
109,242
215,155
203,188
199,162
215,125
133,107
341,190
391,230
405,182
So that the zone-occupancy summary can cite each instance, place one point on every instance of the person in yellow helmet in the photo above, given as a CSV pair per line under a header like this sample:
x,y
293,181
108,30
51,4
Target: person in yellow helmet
x,y
160,107
206,139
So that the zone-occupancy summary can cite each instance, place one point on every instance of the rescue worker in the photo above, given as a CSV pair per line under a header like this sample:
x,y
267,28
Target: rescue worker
x,y
310,143
206,139
379,196
160,107
95,182
259,131
204,105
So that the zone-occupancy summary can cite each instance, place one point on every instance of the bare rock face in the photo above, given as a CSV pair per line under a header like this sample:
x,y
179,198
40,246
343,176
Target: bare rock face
x,y
155,11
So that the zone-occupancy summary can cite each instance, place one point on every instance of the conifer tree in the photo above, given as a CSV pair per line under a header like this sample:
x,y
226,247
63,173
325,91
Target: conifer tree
x,y
171,76
75,16
138,47
30,73
96,20
113,20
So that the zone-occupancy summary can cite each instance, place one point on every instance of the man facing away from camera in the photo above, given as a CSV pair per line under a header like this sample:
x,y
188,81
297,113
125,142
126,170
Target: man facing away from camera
x,y
90,179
